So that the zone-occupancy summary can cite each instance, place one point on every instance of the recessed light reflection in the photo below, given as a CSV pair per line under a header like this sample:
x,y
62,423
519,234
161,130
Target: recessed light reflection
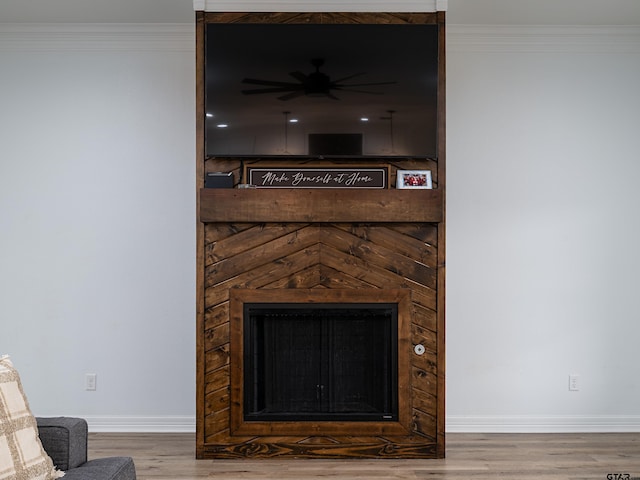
x,y
364,119
293,120
222,125
209,115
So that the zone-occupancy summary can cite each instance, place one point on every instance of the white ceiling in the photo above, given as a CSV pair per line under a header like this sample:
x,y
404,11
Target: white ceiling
x,y
500,12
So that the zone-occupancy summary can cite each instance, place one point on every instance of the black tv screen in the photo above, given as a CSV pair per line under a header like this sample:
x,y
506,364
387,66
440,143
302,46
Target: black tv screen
x,y
349,144
272,88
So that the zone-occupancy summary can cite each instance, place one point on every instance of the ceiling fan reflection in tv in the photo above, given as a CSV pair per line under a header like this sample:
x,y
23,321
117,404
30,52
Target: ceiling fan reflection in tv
x,y
314,84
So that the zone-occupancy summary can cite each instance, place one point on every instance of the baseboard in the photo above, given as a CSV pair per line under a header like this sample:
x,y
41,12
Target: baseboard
x,y
543,424
133,424
454,424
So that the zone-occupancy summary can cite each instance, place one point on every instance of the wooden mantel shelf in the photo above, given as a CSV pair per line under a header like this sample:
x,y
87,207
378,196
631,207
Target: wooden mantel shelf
x,y
320,205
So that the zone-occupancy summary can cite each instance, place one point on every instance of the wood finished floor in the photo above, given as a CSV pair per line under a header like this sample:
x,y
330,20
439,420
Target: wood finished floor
x,y
469,456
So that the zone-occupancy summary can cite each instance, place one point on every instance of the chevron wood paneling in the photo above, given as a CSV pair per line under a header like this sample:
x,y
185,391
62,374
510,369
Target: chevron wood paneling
x,y
320,244
320,256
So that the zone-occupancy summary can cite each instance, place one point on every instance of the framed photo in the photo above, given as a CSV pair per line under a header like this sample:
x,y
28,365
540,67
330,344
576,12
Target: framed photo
x,y
317,176
413,179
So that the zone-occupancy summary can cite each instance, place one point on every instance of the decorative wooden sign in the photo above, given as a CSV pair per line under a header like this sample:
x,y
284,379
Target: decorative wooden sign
x,y
317,177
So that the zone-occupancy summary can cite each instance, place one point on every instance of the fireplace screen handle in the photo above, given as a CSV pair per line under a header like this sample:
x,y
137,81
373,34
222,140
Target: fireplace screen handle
x,y
319,390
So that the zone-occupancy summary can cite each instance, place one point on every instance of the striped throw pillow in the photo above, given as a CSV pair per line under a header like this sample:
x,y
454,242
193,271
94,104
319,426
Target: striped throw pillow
x,y
21,454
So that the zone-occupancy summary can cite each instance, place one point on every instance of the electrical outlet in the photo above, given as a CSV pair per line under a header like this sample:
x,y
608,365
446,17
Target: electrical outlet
x,y
574,382
90,381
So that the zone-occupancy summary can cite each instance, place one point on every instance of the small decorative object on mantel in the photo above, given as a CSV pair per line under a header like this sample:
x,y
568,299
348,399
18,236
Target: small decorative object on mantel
x,y
318,177
413,179
218,180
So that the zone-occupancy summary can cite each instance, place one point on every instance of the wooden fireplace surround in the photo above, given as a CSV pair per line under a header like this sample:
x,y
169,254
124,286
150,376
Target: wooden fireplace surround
x,y
320,244
238,297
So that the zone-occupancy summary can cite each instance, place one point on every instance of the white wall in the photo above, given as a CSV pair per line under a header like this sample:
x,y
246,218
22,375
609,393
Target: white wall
x,y
97,222
97,214
543,229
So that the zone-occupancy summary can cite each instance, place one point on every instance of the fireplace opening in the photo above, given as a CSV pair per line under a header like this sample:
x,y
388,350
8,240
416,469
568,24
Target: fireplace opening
x,y
320,362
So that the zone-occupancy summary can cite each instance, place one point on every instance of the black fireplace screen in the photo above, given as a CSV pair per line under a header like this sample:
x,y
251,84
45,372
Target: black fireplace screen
x,y
320,362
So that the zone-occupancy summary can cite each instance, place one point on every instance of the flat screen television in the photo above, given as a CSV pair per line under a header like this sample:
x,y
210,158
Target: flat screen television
x,y
275,90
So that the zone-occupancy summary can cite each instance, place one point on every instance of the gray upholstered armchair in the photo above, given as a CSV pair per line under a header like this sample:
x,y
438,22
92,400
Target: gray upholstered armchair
x,y
65,441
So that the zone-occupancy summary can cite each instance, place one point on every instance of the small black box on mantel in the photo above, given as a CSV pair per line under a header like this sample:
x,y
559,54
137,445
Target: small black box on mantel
x,y
218,180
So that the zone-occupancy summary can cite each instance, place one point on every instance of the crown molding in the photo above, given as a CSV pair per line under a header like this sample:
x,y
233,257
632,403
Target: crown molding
x,y
48,37
320,6
543,39
181,38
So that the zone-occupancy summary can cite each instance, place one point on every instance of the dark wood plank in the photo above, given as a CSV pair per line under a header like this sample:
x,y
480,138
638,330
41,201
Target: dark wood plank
x,y
260,276
360,269
200,240
216,337
425,232
260,255
216,422
379,255
216,316
320,205
301,450
321,17
332,278
218,231
425,403
217,400
409,247
255,236
216,380
424,381
424,317
424,337
216,358
442,156
425,424
307,278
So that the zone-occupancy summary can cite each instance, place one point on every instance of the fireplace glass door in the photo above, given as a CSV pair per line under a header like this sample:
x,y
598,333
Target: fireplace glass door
x,y
320,362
